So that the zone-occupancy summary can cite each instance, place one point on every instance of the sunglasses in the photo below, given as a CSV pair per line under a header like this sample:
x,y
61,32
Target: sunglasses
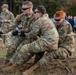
x,y
57,19
25,8
36,12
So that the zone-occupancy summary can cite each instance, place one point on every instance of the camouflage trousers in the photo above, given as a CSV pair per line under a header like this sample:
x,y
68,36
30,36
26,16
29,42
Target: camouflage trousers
x,y
13,58
61,53
28,50
7,39
13,47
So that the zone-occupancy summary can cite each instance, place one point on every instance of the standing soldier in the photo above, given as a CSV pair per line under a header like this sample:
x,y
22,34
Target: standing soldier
x,y
6,18
24,20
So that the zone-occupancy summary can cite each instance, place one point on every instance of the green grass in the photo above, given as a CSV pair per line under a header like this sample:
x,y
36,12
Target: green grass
x,y
2,52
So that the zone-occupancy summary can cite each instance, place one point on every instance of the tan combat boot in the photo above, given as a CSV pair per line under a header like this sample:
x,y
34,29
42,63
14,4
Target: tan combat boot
x,y
11,69
30,70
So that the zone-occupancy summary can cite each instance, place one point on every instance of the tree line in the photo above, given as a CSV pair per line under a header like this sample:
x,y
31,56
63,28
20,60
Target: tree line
x,y
69,6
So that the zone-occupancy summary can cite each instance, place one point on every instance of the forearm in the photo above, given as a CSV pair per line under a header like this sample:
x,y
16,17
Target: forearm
x,y
31,35
23,30
13,26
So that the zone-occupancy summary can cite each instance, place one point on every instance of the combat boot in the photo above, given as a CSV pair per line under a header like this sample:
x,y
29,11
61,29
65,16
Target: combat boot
x,y
30,70
4,64
11,69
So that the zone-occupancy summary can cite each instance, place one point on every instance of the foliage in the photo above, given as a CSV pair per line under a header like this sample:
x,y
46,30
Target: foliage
x,y
53,5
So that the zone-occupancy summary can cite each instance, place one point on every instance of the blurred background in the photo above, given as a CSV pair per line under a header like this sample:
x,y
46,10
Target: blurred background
x,y
69,6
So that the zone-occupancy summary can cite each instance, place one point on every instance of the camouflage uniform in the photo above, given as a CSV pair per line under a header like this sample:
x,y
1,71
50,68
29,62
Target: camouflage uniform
x,y
9,17
4,26
66,43
65,46
18,41
47,41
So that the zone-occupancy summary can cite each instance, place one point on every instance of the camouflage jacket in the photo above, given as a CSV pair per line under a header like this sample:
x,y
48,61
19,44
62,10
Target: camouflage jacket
x,y
9,17
43,28
23,20
65,41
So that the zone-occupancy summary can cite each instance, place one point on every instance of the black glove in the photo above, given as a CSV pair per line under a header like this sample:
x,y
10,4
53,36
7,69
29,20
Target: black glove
x,y
22,34
15,33
1,33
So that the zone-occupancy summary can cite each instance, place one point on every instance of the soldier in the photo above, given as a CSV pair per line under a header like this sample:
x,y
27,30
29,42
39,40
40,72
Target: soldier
x,y
65,45
6,18
24,19
47,39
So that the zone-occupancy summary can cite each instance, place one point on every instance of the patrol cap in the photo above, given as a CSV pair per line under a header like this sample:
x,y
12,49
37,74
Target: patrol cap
x,y
4,6
59,14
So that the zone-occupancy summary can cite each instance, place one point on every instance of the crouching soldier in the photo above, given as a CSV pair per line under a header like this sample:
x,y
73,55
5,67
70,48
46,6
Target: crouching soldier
x,y
47,40
65,45
24,19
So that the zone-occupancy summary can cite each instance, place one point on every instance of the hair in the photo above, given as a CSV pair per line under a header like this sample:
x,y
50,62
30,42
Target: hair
x,y
41,9
29,3
59,14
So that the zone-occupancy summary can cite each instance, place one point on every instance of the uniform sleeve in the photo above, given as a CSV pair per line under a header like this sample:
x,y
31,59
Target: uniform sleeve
x,y
12,17
0,16
14,24
34,31
63,33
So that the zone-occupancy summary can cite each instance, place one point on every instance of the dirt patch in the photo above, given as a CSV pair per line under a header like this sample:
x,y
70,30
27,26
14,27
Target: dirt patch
x,y
58,67
53,67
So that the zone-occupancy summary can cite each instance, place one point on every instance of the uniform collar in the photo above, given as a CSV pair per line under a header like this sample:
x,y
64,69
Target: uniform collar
x,y
30,15
6,12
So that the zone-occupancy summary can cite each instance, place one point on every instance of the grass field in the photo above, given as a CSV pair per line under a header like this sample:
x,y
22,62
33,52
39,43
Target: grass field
x,y
2,49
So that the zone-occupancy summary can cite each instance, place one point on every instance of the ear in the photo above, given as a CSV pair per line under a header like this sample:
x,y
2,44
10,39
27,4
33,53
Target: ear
x,y
40,14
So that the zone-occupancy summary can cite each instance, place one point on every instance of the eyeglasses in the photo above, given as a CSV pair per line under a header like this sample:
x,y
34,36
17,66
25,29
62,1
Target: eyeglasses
x,y
36,12
25,8
57,19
